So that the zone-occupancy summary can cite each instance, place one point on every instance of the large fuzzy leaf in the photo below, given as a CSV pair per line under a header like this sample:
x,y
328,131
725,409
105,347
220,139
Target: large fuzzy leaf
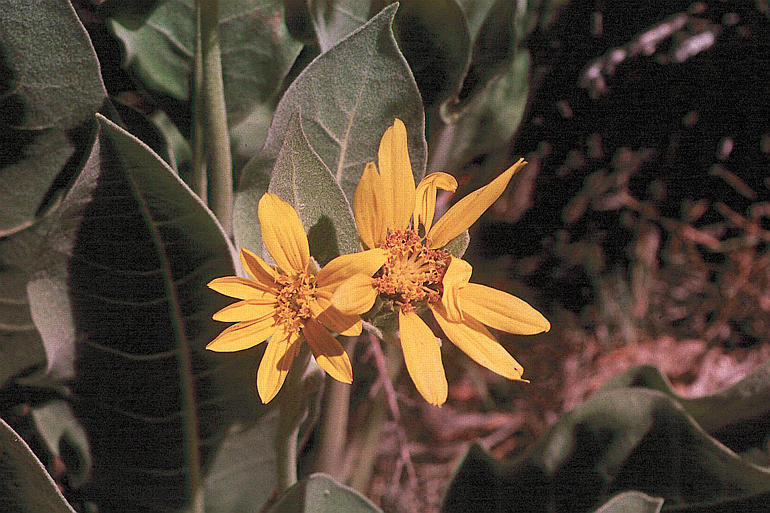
x,y
333,20
347,97
20,345
50,88
738,416
319,493
25,486
257,50
631,502
623,439
122,293
435,40
302,179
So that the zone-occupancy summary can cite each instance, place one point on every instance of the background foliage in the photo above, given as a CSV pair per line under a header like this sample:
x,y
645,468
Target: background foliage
x,y
642,214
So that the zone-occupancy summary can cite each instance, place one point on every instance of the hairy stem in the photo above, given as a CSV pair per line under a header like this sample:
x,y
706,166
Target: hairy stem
x,y
199,178
334,423
217,144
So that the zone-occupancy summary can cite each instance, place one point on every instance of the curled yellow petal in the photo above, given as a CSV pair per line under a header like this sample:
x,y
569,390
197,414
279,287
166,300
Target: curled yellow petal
x,y
283,234
276,362
501,310
328,352
398,190
345,266
246,310
477,342
425,202
466,211
355,295
422,354
264,275
338,322
456,277
367,208
237,287
243,335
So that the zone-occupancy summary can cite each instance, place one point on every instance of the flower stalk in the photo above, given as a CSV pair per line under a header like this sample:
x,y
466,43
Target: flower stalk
x,y
217,136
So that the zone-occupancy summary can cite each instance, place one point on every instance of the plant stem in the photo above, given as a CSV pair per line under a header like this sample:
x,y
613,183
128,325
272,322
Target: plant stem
x,y
295,402
199,178
220,165
334,423
378,415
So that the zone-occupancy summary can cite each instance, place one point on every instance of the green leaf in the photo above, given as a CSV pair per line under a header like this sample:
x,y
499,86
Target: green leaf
x,y
257,50
459,244
435,40
65,438
432,35
20,346
319,493
122,298
50,88
303,180
146,131
25,487
242,474
334,20
623,439
491,26
631,502
487,123
347,98
738,416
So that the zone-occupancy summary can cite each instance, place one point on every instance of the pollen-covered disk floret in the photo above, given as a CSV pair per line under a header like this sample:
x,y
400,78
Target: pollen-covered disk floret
x,y
412,272
295,295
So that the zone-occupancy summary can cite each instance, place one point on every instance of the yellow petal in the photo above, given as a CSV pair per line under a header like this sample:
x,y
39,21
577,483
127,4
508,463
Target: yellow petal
x,y
344,324
276,363
247,310
345,266
466,211
328,352
258,269
502,311
456,277
243,335
355,295
237,287
477,342
283,234
425,203
367,208
397,191
422,354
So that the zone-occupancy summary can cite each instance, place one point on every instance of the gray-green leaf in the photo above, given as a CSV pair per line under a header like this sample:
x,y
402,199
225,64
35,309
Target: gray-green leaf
x,y
319,493
25,486
50,88
126,264
301,178
631,502
348,96
257,50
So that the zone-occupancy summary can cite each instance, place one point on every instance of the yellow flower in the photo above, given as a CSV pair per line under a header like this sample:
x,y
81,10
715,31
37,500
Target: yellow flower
x,y
389,212
290,302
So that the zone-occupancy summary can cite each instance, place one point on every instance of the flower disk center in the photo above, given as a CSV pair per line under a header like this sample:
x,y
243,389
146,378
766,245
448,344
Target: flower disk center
x,y
412,272
295,295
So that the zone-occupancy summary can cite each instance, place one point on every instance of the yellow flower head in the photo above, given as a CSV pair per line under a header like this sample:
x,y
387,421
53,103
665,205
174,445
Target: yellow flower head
x,y
290,302
418,273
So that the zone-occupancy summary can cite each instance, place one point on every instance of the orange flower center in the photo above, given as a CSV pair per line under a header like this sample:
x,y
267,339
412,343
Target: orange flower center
x,y
412,272
295,295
